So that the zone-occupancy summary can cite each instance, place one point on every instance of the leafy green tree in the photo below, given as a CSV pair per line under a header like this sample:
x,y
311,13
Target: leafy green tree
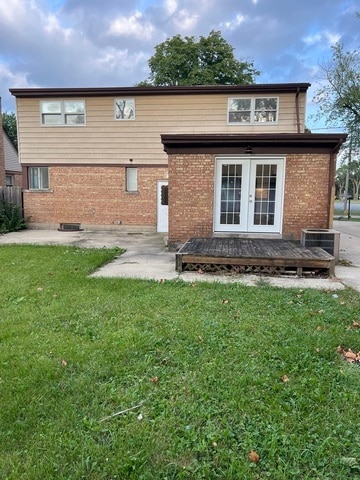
x,y
354,177
349,174
198,61
339,97
10,126
341,173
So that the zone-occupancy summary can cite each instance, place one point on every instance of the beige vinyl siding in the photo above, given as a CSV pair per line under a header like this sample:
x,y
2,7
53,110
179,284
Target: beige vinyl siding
x,y
104,140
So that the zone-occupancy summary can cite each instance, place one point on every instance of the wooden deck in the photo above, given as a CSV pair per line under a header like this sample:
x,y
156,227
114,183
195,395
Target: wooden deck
x,y
256,256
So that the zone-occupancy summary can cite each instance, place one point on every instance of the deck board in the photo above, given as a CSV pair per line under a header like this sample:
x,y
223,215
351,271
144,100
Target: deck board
x,y
267,253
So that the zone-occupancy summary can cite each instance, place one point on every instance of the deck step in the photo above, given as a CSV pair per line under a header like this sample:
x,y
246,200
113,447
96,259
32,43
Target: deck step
x,y
256,256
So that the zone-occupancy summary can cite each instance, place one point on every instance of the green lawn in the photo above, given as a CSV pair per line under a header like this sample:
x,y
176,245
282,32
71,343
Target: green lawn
x,y
221,369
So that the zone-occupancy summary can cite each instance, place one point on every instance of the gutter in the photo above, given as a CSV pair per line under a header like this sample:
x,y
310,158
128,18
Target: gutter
x,y
162,90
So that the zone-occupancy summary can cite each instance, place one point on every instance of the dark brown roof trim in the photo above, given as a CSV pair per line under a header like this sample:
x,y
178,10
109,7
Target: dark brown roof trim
x,y
97,165
253,143
272,88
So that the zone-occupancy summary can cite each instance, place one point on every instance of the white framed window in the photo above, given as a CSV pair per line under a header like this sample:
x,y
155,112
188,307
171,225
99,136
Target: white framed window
x,y
131,179
62,112
38,178
253,111
124,108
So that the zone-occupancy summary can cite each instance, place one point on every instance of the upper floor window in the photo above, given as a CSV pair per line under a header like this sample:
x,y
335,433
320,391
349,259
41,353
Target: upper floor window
x,y
261,110
38,178
63,112
124,108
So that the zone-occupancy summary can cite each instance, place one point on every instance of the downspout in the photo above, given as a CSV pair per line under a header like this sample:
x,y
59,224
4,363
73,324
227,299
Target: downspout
x,y
331,186
297,110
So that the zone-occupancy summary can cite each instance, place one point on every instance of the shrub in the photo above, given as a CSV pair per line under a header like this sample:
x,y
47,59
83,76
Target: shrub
x,y
11,218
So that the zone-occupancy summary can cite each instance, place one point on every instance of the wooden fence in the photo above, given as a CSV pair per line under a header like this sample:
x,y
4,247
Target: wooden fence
x,y
12,195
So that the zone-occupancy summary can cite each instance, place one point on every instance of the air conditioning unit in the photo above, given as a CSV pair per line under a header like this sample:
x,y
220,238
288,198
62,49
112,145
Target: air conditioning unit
x,y
327,239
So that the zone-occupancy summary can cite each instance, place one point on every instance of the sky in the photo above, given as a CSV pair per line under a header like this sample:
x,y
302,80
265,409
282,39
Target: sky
x,y
107,43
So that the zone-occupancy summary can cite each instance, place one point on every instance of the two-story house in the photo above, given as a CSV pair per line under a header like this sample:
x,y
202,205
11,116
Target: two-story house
x,y
190,160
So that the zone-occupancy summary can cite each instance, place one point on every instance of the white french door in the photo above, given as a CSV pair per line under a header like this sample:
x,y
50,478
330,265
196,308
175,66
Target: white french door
x,y
249,194
162,206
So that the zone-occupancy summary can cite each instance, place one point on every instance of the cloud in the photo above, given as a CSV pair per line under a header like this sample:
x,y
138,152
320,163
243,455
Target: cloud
x,y
11,11
52,27
312,39
119,62
232,24
74,43
185,21
333,37
170,6
132,26
322,37
18,79
185,16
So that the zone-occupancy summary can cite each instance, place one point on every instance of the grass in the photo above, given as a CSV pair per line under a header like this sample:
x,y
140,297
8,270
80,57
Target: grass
x,y
221,369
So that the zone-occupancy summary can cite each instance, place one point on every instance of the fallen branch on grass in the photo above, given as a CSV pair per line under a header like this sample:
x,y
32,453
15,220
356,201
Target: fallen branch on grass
x,y
121,412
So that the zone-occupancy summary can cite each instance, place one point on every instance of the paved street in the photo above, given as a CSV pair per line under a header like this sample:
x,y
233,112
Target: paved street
x,y
354,207
349,252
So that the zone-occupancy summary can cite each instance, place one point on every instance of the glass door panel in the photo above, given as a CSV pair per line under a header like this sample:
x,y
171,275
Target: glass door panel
x,y
265,188
231,192
231,180
266,195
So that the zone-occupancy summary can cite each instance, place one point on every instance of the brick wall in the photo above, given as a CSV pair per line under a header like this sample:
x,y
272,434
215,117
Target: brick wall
x,y
306,202
94,196
191,195
18,179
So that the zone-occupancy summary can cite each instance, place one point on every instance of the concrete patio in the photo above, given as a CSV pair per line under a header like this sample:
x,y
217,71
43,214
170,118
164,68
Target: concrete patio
x,y
147,257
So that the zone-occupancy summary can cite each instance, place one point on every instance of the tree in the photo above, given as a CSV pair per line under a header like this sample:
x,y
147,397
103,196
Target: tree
x,y
204,61
354,176
339,102
10,126
341,174
339,98
348,175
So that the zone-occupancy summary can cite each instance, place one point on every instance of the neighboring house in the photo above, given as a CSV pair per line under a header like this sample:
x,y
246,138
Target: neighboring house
x,y
193,161
13,170
10,168
2,155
